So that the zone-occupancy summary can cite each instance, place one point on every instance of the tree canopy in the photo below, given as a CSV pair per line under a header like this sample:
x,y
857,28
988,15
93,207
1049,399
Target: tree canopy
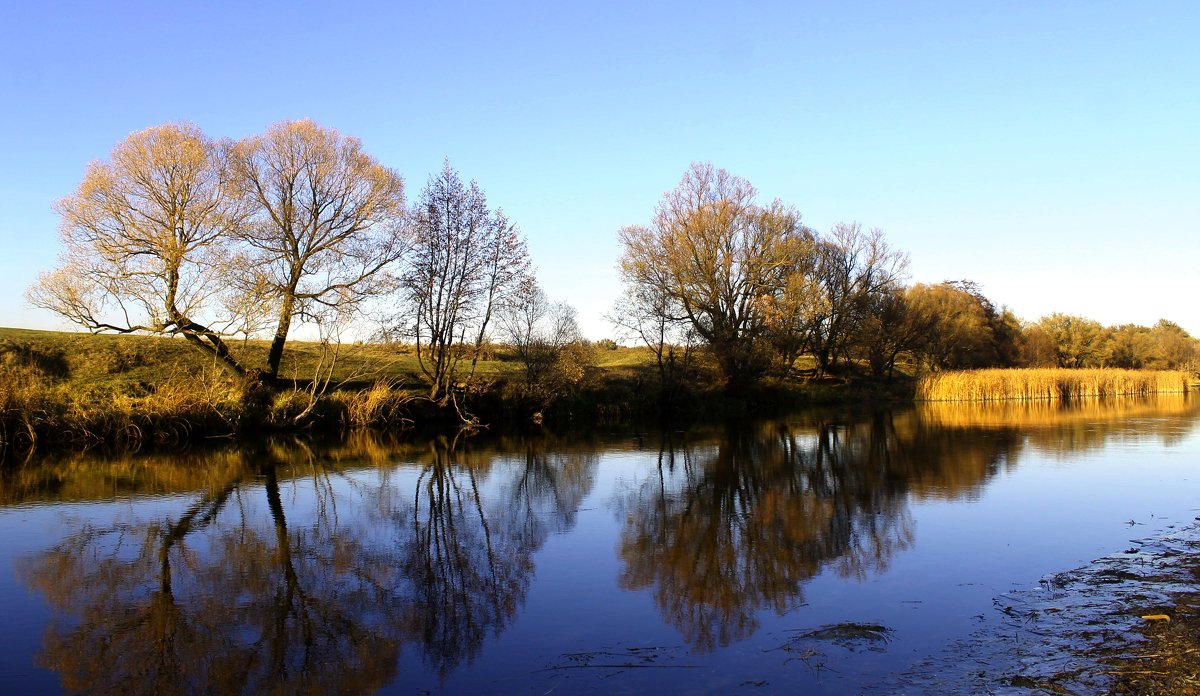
x,y
178,234
147,238
720,261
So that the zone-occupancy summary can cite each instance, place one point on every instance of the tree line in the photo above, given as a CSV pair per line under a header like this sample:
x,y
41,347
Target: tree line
x,y
757,288
180,234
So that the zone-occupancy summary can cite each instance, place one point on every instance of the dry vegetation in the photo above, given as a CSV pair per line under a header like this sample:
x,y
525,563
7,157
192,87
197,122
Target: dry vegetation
x,y
1171,662
82,389
1050,384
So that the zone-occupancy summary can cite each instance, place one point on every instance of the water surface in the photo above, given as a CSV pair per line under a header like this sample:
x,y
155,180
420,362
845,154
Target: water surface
x,y
826,552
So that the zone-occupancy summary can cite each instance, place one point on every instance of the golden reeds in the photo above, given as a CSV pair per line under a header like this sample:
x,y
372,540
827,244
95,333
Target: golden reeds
x,y
383,404
35,409
1047,384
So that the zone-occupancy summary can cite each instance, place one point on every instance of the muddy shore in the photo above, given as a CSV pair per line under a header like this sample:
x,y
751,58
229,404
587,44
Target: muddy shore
x,y
1128,623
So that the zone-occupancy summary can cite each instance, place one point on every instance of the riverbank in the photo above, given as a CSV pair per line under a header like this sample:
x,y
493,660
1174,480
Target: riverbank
x,y
1127,623
62,389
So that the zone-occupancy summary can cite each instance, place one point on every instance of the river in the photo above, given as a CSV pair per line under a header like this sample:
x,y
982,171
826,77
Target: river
x,y
826,552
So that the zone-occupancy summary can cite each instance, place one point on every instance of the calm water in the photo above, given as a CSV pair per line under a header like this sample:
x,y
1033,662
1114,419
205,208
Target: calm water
x,y
819,553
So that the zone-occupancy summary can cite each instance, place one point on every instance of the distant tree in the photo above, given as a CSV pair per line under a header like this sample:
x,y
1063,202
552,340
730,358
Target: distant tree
x,y
1003,325
468,262
645,313
966,330
1038,348
1131,346
960,335
893,325
718,261
327,225
1174,346
146,239
547,342
1006,337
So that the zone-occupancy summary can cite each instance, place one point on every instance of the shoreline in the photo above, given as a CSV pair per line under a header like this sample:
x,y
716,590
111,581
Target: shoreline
x,y
1126,623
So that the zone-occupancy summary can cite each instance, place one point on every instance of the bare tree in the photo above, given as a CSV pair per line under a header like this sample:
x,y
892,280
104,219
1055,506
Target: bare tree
x,y
146,236
854,268
328,223
542,333
644,313
468,262
178,234
720,260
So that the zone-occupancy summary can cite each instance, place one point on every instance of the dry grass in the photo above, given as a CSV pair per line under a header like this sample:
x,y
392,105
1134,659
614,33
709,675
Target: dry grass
x,y
37,408
79,388
1047,384
382,404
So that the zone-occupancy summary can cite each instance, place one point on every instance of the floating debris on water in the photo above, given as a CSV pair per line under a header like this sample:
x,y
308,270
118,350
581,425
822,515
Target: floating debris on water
x,y
850,635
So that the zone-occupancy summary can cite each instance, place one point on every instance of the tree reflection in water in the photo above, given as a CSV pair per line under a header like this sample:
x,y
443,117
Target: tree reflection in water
x,y
467,557
231,595
736,523
292,572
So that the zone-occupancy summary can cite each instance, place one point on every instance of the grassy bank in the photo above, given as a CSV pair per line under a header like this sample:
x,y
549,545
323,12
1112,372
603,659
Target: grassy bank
x,y
80,389
1047,384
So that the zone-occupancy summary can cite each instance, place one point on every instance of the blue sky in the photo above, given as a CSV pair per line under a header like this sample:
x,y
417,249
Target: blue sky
x,y
1048,151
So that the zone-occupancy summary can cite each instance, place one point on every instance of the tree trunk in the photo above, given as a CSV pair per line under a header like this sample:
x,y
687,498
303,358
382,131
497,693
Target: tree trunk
x,y
275,355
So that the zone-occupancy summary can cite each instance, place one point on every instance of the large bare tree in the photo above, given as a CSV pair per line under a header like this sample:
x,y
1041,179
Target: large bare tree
x,y
468,262
146,236
328,223
721,262
178,234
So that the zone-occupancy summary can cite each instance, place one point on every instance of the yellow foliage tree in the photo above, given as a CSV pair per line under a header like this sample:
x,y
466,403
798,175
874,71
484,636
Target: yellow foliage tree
x,y
146,236
722,263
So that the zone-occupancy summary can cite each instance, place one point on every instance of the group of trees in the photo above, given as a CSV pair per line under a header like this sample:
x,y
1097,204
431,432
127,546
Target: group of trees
x,y
179,234
758,289
1061,340
750,281
183,235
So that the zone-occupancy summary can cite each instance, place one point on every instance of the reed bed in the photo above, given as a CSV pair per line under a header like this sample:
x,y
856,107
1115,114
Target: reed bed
x,y
1040,384
383,404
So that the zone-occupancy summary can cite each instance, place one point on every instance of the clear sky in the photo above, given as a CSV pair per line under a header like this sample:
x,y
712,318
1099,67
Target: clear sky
x,y
1049,151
